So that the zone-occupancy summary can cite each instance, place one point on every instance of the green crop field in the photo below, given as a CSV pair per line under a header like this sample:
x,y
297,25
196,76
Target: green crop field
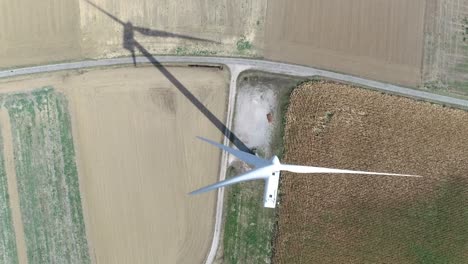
x,y
47,178
7,234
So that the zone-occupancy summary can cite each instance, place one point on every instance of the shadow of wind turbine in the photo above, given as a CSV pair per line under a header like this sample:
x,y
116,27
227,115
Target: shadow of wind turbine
x,y
130,44
129,32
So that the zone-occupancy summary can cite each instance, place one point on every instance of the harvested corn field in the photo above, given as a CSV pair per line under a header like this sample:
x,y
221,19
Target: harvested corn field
x,y
371,219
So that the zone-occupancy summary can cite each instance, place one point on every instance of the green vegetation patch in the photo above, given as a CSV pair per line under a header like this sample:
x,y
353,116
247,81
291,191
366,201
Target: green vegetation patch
x,y
243,44
249,226
433,230
47,177
8,251
194,51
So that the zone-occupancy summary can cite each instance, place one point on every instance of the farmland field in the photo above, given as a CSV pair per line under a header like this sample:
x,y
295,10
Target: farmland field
x,y
381,40
47,177
137,156
445,67
369,219
8,252
55,31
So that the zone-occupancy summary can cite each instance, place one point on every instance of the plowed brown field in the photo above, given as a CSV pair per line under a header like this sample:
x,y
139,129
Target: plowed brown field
x,y
371,219
380,40
137,156
55,31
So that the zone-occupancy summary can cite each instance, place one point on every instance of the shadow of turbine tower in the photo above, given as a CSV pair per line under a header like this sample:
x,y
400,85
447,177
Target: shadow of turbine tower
x,y
131,44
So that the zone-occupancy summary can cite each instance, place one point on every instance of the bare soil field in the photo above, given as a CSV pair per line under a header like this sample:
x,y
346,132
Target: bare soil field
x,y
381,40
38,32
137,158
53,31
445,67
371,219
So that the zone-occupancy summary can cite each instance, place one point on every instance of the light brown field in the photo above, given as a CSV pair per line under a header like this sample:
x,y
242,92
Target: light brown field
x,y
224,21
380,40
35,32
52,31
138,158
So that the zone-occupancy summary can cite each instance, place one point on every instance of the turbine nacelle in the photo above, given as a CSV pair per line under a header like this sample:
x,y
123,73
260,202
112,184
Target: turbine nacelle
x,y
275,161
269,171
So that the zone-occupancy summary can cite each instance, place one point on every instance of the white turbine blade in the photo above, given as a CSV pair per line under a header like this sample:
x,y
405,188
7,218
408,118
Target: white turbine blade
x,y
247,157
249,176
310,169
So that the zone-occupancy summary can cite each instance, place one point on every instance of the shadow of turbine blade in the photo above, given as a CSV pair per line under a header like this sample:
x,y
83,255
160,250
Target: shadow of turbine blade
x,y
130,44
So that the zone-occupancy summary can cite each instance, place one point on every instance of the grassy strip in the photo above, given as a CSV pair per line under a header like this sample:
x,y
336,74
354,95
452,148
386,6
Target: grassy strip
x,y
249,226
8,251
47,178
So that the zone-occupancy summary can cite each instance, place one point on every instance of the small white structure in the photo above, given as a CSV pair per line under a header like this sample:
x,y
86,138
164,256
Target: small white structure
x,y
269,171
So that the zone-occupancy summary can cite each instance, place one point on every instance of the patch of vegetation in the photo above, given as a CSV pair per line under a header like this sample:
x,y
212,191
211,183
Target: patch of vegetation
x,y
429,231
243,44
465,29
184,51
277,140
8,250
248,227
47,177
433,85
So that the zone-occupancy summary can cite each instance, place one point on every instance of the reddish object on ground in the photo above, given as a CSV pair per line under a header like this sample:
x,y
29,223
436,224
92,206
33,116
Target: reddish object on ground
x,y
270,117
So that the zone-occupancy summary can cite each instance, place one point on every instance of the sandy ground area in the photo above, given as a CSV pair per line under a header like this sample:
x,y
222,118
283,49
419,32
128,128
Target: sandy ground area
x,y
138,158
381,40
55,31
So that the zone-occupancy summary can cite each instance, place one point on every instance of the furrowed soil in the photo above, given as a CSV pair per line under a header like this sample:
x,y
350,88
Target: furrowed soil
x,y
137,156
372,219
56,31
381,40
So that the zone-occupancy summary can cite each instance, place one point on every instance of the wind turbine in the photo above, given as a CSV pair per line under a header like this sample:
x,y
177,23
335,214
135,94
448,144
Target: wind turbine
x,y
269,171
